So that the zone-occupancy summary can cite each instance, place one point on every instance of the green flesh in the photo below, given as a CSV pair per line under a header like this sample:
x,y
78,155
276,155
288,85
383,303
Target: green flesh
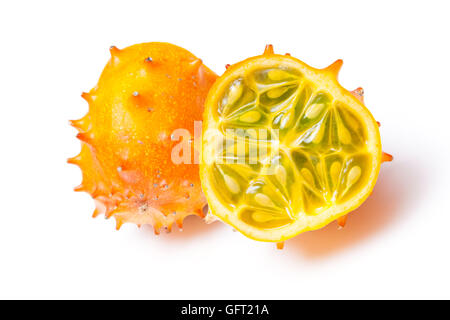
x,y
287,148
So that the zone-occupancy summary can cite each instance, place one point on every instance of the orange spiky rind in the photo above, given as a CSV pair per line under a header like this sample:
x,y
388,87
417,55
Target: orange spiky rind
x,y
268,49
335,67
75,160
126,165
96,213
342,221
87,96
76,123
386,157
358,93
119,223
79,188
194,65
114,50
86,137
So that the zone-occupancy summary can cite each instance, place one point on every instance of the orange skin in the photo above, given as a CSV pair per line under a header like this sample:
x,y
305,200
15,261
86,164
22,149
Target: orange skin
x,y
145,92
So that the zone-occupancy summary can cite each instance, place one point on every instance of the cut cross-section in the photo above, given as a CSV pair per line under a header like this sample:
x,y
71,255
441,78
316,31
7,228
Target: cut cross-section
x,y
286,149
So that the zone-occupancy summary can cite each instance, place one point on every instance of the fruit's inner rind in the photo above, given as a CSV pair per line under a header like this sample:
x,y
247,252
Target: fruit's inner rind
x,y
284,149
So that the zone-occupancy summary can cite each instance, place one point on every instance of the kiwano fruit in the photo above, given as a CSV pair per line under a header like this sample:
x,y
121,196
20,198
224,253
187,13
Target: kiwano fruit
x,y
145,92
286,149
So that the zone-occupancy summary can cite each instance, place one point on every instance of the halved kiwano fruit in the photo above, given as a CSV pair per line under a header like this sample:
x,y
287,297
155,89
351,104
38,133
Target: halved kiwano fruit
x,y
286,149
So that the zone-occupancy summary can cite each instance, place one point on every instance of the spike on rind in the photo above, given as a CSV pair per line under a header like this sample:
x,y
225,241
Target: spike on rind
x,y
335,67
342,221
119,223
386,157
75,123
268,49
80,124
85,137
358,93
114,55
200,213
96,213
196,64
114,50
79,188
86,96
95,193
280,245
227,66
109,212
83,124
75,160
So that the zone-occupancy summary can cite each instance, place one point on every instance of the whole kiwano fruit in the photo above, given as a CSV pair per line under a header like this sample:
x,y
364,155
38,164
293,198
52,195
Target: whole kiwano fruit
x,y
145,92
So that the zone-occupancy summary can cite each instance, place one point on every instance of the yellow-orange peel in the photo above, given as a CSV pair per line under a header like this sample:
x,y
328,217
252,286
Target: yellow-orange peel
x,y
145,92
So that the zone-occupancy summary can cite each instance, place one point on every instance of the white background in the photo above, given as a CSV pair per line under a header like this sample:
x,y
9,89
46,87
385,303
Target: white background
x,y
395,246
